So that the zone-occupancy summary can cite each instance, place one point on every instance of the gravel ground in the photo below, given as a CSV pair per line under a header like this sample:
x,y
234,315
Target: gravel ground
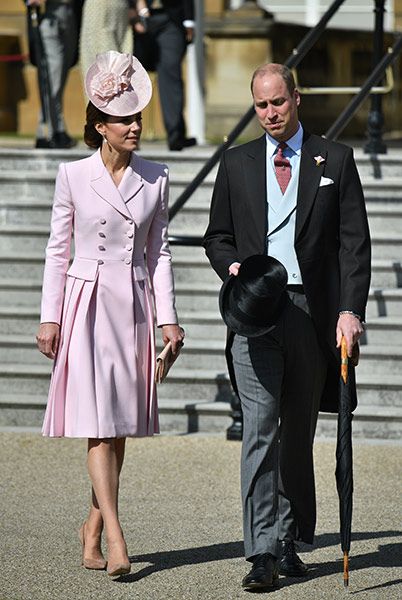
x,y
181,514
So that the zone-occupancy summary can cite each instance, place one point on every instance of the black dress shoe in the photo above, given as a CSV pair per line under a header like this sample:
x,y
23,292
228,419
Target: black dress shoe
x,y
290,564
62,140
44,143
182,143
263,575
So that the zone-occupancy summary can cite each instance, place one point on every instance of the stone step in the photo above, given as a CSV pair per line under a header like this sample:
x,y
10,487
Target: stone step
x,y
375,361
371,167
383,331
204,296
380,165
22,265
369,422
191,296
189,416
379,360
18,188
190,266
26,238
386,246
386,273
33,238
197,383
44,161
20,292
385,219
382,303
197,354
201,325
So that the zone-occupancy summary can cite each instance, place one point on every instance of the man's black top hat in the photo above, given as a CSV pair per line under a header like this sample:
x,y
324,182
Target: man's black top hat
x,y
251,302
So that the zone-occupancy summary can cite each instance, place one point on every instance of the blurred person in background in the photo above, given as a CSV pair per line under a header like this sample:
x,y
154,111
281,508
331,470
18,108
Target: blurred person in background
x,y
104,27
59,28
162,31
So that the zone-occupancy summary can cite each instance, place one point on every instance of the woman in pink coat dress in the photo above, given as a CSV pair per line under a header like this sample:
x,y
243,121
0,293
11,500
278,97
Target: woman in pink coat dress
x,y
97,319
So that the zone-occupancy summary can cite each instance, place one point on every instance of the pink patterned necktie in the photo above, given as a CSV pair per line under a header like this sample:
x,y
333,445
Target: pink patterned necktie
x,y
282,168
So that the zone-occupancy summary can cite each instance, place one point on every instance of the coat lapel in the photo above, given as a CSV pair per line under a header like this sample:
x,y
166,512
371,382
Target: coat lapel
x,y
255,173
103,185
309,179
132,182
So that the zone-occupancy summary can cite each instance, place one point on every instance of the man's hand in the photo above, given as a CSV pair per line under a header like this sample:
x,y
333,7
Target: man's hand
x,y
34,2
351,328
234,268
189,34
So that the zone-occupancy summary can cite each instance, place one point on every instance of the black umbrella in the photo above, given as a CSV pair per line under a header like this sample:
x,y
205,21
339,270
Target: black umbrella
x,y
344,459
39,59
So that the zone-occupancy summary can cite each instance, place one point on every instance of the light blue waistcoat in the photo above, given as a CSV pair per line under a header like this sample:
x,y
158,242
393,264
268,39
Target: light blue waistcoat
x,y
282,220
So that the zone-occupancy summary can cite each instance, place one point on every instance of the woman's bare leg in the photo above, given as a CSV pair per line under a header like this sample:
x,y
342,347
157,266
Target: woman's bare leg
x,y
105,460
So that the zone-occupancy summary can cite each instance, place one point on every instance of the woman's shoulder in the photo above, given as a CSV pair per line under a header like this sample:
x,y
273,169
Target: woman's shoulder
x,y
73,166
149,166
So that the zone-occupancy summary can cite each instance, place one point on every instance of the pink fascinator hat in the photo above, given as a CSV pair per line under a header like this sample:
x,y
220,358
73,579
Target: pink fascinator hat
x,y
118,84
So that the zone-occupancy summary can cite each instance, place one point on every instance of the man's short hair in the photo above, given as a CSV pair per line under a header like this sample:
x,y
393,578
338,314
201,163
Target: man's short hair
x,y
276,69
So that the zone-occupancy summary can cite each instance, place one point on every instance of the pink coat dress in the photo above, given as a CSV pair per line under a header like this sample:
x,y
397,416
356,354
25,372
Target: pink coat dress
x,y
102,383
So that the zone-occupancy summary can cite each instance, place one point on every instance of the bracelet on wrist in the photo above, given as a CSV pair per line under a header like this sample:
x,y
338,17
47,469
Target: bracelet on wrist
x,y
350,312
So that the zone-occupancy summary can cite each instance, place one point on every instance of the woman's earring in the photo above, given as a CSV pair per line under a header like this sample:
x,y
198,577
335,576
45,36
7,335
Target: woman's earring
x,y
104,139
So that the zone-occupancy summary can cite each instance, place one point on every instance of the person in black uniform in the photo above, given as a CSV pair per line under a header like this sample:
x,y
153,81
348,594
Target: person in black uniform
x,y
59,28
162,30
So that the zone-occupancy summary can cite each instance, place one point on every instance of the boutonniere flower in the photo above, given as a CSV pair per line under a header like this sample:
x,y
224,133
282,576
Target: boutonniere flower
x,y
319,160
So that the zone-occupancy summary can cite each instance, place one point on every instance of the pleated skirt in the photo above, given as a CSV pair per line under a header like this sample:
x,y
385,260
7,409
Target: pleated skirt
x,y
102,383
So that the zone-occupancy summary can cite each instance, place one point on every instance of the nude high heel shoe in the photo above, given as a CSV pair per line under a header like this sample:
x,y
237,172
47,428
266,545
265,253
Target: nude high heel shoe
x,y
97,564
118,568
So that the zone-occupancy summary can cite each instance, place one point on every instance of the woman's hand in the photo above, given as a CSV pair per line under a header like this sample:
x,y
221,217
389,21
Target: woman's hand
x,y
234,268
174,334
48,339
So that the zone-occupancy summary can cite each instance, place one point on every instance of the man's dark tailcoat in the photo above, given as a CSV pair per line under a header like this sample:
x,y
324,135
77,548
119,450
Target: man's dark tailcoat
x,y
332,239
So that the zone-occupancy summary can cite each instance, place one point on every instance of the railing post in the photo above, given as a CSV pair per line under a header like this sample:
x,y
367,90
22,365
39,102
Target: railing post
x,y
375,122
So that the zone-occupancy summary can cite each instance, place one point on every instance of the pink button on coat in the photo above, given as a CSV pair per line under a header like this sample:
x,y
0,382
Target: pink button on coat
x,y
107,300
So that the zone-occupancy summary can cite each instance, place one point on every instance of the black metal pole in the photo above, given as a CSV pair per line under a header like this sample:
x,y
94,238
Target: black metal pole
x,y
375,122
294,59
375,76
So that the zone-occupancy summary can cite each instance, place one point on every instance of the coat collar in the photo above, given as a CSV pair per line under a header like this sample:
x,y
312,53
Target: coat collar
x,y
104,186
255,172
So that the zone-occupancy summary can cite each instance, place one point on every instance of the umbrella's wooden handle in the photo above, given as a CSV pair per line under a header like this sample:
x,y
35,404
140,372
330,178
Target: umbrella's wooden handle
x,y
345,569
344,360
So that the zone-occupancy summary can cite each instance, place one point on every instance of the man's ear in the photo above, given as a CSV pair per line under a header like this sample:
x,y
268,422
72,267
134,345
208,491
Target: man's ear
x,y
297,96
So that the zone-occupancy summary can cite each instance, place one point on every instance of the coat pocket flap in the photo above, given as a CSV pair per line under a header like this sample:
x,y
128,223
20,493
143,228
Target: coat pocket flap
x,y
83,268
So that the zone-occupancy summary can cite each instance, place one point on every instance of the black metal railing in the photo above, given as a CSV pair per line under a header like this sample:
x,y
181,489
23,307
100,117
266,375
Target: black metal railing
x,y
377,74
293,61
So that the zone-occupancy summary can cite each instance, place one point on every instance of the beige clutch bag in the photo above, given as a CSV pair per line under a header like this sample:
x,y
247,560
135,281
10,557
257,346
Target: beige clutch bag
x,y
163,362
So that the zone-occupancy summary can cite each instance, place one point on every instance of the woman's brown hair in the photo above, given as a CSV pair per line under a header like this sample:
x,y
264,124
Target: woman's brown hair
x,y
93,138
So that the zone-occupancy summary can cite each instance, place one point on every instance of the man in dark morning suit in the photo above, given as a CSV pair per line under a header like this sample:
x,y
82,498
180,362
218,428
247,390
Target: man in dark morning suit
x,y
59,27
316,225
162,30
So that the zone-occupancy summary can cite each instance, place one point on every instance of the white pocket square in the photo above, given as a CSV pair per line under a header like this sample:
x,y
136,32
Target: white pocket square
x,y
326,181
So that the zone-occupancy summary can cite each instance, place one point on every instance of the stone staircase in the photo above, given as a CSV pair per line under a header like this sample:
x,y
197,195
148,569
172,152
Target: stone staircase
x,y
197,393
